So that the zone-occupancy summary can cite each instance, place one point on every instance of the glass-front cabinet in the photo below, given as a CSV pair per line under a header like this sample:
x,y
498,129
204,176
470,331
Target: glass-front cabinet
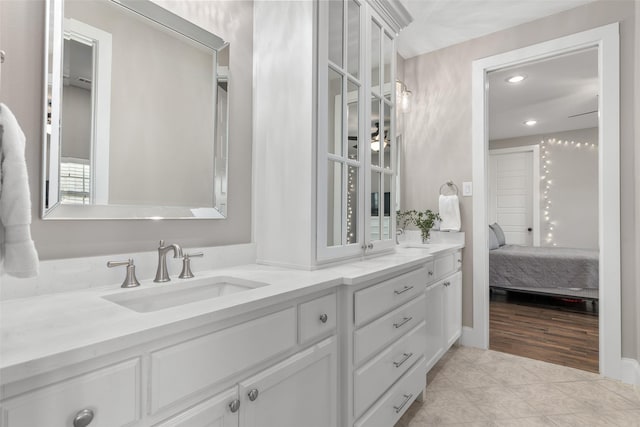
x,y
356,128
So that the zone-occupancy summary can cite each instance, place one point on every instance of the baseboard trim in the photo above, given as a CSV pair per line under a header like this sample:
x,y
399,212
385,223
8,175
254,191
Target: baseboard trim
x,y
470,338
630,371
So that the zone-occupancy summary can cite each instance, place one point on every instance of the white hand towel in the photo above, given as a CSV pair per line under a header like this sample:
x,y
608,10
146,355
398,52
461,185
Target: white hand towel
x,y
449,213
17,250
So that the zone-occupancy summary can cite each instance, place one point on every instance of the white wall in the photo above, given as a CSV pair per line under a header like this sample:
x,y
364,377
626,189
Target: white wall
x,y
573,191
22,34
438,130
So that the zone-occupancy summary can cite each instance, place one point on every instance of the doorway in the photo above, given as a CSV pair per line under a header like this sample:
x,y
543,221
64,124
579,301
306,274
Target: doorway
x,y
606,40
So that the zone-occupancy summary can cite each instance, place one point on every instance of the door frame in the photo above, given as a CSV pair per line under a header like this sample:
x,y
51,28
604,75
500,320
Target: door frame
x,y
607,40
535,178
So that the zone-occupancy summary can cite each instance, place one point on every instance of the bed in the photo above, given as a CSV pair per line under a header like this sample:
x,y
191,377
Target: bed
x,y
545,270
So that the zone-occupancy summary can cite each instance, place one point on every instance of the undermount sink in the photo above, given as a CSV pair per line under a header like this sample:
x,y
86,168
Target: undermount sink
x,y
176,293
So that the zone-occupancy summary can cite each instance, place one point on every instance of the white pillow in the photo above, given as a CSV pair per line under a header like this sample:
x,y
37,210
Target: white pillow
x,y
499,233
493,240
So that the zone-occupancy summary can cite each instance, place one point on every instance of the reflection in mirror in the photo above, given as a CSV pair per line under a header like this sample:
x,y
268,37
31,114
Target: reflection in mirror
x,y
137,114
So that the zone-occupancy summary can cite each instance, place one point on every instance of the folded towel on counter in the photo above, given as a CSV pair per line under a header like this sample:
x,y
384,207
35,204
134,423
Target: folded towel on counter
x,y
17,251
449,213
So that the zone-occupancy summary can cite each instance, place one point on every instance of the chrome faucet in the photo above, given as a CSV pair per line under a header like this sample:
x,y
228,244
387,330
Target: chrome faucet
x,y
162,275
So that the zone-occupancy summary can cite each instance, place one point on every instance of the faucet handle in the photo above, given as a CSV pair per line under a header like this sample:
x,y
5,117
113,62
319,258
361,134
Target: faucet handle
x,y
130,280
186,272
161,244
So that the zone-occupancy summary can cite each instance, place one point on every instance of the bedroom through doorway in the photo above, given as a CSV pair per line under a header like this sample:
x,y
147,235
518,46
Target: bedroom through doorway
x,y
543,209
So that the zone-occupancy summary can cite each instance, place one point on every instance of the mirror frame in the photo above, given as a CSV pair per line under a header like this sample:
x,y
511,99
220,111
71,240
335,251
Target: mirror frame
x,y
54,33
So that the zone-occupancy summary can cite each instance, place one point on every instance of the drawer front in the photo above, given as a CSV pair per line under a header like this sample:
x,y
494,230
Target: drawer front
x,y
431,274
214,412
317,318
388,410
445,265
375,377
111,393
186,368
457,260
381,298
387,329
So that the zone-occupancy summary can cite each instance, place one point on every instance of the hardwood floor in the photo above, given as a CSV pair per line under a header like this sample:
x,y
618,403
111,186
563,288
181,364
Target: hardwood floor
x,y
557,335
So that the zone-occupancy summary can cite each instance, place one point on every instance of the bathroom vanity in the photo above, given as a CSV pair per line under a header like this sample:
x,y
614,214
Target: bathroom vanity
x,y
342,346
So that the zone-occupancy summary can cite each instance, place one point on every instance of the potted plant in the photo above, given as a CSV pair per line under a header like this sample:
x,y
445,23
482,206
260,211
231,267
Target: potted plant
x,y
424,220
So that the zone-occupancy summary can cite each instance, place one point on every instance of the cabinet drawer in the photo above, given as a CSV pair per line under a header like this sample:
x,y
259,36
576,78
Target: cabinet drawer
x,y
214,412
445,265
387,329
374,378
112,393
186,368
378,299
388,410
317,318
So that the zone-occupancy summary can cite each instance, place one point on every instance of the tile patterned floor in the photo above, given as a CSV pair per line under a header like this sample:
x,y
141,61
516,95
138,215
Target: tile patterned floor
x,y
483,388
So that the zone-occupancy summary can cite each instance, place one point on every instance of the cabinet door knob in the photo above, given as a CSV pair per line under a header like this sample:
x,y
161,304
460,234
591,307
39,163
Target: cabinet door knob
x,y
324,318
234,405
431,273
83,418
253,394
447,283
370,246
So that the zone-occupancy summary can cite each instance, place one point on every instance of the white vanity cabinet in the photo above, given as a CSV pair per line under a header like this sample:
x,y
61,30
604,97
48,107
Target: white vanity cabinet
x,y
443,305
384,348
219,411
251,370
300,391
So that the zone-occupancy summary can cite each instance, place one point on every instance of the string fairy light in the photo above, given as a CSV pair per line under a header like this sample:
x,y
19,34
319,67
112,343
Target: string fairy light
x,y
546,182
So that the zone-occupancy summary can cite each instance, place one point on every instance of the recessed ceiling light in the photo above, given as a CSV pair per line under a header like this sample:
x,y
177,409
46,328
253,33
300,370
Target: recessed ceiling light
x,y
516,79
530,122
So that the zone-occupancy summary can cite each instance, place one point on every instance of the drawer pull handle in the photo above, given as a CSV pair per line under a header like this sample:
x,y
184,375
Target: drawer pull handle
x,y
403,290
324,318
431,273
447,283
402,322
459,261
83,418
407,398
234,405
405,357
253,394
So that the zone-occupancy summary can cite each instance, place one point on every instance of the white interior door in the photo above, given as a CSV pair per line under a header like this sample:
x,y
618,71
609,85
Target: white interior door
x,y
511,195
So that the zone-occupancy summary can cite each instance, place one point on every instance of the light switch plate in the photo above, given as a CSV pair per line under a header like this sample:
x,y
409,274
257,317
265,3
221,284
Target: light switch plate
x,y
467,188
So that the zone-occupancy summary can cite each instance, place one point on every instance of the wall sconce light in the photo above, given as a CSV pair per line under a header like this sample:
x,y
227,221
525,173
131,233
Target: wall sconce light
x,y
403,97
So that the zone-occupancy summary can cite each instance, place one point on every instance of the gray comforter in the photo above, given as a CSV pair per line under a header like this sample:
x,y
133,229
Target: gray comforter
x,y
542,267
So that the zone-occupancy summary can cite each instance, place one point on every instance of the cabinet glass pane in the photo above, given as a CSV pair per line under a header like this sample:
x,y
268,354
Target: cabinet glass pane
x,y
387,134
353,120
387,49
353,39
334,117
334,203
336,14
386,218
376,136
352,204
375,57
377,206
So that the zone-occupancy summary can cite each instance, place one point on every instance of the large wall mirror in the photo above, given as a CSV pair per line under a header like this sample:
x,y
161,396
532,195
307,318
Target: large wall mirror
x,y
136,117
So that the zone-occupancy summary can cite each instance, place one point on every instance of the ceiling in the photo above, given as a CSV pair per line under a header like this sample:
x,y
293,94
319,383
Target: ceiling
x,y
441,23
554,90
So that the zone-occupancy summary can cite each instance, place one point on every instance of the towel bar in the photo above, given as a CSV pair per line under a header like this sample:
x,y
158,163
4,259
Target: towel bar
x,y
450,185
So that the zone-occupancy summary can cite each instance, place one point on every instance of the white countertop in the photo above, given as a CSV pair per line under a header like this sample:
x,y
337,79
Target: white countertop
x,y
46,332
